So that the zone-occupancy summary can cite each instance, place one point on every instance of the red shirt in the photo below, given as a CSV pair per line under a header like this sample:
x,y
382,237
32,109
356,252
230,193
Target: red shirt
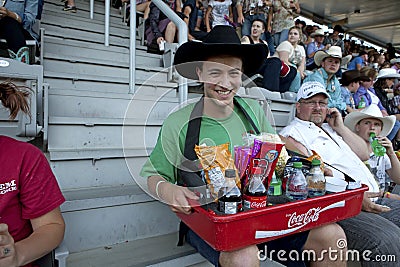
x,y
28,188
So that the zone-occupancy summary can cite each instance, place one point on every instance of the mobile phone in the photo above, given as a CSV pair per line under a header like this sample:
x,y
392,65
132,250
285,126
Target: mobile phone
x,y
2,3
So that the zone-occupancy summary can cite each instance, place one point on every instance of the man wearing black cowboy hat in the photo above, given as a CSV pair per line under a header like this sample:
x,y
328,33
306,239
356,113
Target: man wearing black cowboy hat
x,y
219,117
350,83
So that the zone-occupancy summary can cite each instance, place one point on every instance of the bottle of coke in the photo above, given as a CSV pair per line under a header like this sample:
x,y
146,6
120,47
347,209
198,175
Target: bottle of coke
x,y
255,194
229,196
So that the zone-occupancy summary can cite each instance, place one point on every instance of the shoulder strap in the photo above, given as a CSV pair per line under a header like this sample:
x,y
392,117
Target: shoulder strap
x,y
241,103
193,130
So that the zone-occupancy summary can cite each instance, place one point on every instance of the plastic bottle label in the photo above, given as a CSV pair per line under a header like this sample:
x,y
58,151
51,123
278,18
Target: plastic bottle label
x,y
254,202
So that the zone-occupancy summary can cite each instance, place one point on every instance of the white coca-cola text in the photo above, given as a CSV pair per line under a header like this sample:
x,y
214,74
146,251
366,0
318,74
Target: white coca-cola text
x,y
311,215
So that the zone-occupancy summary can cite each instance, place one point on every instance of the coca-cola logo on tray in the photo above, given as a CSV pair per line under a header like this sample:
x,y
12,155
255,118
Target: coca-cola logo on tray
x,y
295,220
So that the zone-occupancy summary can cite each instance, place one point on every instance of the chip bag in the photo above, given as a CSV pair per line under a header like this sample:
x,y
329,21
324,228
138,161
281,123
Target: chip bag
x,y
215,160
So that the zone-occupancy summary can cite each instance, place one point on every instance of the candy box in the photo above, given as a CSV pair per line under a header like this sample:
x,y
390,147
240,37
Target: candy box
x,y
231,232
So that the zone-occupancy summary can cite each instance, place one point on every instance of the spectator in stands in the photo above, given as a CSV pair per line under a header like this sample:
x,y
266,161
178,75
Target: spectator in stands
x,y
358,62
16,26
384,168
219,12
222,53
350,83
395,64
257,30
31,224
384,85
313,47
277,74
250,10
374,229
294,55
191,12
330,61
70,6
281,18
391,51
159,28
335,38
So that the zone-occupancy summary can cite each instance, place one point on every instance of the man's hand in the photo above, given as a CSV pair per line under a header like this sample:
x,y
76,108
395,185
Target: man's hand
x,y
176,197
334,119
8,253
369,206
240,19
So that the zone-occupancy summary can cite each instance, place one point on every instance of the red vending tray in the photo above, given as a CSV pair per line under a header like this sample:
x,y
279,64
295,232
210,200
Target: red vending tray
x,y
231,232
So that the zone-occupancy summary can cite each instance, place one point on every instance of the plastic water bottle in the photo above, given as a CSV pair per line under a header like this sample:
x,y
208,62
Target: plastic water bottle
x,y
377,148
316,184
296,188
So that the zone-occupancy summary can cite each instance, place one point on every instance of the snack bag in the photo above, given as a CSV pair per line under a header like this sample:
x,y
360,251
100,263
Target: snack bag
x,y
215,160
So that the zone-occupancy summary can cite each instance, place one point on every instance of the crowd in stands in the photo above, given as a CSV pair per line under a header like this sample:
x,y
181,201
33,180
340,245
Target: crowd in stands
x,y
297,52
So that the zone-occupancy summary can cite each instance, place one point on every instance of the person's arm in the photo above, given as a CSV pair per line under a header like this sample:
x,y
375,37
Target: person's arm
x,y
207,18
173,195
239,8
295,146
284,56
394,171
230,14
4,12
178,5
48,232
355,142
270,18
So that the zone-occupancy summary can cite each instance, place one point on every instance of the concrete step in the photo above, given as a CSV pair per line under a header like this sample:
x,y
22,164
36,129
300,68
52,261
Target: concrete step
x,y
107,217
79,51
104,73
156,251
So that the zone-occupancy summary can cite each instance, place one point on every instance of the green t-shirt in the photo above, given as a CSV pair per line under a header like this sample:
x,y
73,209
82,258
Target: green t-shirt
x,y
168,152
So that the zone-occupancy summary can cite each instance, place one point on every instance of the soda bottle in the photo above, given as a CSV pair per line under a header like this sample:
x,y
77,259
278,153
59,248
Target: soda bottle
x,y
316,184
377,148
275,187
296,188
287,171
362,103
230,198
255,194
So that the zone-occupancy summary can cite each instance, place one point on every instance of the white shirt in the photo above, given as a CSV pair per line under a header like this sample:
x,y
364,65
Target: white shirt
x,y
333,150
378,166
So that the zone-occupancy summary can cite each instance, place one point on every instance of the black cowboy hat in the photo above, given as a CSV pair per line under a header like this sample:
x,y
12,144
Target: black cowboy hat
x,y
352,76
221,40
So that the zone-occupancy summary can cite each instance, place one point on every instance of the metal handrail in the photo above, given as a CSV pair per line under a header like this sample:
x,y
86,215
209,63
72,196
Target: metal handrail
x,y
182,38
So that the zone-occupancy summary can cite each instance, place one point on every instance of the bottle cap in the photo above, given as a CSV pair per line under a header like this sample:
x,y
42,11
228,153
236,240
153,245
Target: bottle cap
x,y
298,164
315,162
372,134
230,173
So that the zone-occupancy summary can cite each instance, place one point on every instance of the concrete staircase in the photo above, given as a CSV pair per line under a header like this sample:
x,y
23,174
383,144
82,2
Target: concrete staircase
x,y
99,136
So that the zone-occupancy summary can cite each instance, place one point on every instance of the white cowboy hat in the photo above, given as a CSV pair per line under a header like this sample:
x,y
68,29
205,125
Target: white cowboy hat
x,y
333,51
387,73
395,60
318,32
372,111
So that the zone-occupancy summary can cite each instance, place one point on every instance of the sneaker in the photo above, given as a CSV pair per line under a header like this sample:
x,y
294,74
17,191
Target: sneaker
x,y
72,9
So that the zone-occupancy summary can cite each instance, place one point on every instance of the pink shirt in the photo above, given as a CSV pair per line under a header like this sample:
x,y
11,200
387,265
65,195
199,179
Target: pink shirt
x,y
28,188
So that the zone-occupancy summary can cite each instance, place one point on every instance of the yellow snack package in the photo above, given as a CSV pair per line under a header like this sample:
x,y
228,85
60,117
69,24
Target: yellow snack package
x,y
215,160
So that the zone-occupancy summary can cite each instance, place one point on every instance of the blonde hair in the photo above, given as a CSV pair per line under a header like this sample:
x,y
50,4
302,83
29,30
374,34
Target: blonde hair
x,y
14,98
